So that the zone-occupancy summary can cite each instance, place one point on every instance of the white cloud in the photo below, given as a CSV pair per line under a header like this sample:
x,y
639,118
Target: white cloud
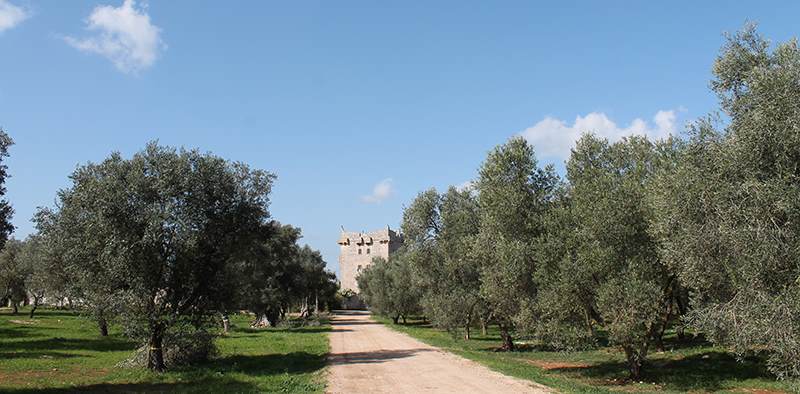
x,y
382,190
124,35
553,138
466,186
11,15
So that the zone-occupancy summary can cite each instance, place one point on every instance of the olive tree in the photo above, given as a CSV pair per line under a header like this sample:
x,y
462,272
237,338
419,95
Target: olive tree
x,y
439,233
157,231
42,275
601,262
13,274
268,274
514,194
730,212
387,289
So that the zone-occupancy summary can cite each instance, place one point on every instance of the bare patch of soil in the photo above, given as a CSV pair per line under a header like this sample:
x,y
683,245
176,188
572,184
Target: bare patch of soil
x,y
549,365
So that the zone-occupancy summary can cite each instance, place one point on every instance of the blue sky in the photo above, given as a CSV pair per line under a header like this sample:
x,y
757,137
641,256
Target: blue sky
x,y
356,105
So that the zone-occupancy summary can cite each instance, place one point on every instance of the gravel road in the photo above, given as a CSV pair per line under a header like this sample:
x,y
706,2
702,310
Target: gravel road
x,y
367,357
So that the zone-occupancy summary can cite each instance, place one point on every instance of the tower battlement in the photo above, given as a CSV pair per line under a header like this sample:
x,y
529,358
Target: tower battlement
x,y
357,249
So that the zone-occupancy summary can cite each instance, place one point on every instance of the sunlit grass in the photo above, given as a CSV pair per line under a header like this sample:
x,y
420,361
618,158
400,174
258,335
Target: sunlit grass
x,y
58,351
684,367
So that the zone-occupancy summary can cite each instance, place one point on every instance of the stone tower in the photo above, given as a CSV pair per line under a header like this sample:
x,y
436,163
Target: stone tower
x,y
358,249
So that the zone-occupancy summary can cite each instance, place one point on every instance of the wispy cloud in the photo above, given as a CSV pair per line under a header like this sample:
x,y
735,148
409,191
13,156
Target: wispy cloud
x,y
553,138
11,15
380,192
123,35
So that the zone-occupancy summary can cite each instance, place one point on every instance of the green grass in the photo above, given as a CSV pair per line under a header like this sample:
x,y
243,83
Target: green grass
x,y
58,351
683,367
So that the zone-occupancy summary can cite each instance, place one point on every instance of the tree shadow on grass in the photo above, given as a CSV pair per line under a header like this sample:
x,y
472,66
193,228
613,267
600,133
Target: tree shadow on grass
x,y
35,354
108,344
217,375
251,331
709,371
41,312
23,331
228,385
268,364
60,347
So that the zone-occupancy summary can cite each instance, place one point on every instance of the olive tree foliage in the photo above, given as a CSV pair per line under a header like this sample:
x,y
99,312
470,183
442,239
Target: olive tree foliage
x,y
11,285
439,232
155,233
43,277
13,274
316,285
278,273
387,288
265,274
514,194
599,262
6,211
87,282
729,213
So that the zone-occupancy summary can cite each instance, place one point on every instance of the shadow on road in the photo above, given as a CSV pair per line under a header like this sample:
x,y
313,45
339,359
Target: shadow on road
x,y
374,357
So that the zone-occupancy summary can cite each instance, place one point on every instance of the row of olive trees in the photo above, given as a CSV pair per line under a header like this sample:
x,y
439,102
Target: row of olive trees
x,y
167,243
640,237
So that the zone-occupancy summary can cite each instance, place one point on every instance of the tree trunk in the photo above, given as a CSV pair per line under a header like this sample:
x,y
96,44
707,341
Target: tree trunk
x,y
682,310
267,318
635,360
659,335
589,325
304,309
14,308
35,305
395,319
669,298
316,304
226,323
484,329
466,332
103,326
155,354
508,341
404,319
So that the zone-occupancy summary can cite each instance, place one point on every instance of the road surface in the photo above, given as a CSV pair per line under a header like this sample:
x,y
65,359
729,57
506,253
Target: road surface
x,y
367,357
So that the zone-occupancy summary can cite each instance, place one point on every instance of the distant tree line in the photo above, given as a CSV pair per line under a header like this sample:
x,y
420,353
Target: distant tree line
x,y
699,233
166,244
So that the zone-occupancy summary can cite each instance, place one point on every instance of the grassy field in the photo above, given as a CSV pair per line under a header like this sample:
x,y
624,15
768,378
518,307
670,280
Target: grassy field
x,y
692,367
58,351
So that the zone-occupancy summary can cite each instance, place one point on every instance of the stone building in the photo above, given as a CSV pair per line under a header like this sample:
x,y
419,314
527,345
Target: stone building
x,y
359,248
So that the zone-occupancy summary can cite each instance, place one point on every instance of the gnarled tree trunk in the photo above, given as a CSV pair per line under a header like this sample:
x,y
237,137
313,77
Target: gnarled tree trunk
x,y
267,318
36,299
508,340
155,354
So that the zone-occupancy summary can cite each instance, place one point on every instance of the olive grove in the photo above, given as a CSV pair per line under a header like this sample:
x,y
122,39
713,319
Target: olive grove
x,y
694,233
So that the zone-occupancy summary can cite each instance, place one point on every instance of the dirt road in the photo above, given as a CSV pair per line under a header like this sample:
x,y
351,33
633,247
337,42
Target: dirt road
x,y
367,357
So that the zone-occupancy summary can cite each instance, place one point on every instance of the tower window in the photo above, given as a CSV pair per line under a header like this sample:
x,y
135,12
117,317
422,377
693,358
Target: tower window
x,y
359,250
367,250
